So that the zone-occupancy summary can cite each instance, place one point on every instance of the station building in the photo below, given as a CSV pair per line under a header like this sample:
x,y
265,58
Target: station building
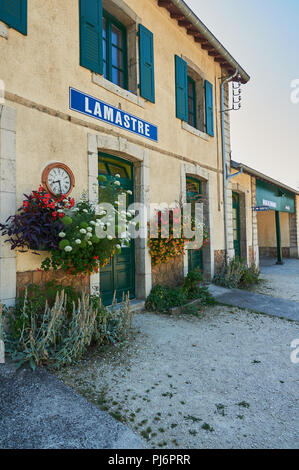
x,y
135,87
265,215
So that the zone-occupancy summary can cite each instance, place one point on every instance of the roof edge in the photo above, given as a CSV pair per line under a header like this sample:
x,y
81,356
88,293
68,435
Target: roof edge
x,y
262,176
206,33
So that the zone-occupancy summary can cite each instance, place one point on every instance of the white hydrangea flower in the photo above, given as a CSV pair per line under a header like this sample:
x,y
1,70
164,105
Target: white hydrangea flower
x,y
117,176
85,210
78,241
129,192
109,237
89,235
89,229
89,243
83,231
92,222
117,183
61,234
68,249
118,247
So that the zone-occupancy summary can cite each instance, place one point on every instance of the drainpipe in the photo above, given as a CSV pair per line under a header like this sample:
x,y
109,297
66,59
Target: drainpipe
x,y
225,176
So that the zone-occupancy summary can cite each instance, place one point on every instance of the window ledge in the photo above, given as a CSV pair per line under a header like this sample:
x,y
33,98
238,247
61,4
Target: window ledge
x,y
194,131
3,30
127,95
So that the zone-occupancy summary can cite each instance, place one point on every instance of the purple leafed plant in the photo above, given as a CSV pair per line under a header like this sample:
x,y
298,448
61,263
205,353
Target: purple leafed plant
x,y
33,227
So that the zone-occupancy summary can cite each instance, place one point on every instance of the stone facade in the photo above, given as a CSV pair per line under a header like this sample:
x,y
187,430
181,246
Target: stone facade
x,y
80,283
271,252
294,231
219,260
169,274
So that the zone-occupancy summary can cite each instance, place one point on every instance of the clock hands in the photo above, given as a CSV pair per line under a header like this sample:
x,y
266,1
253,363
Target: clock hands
x,y
59,182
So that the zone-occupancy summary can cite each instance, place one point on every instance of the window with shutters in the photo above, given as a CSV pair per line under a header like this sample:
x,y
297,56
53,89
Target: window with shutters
x,y
196,100
115,60
118,49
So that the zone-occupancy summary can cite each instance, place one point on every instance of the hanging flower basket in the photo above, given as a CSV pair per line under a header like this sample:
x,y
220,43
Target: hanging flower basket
x,y
68,231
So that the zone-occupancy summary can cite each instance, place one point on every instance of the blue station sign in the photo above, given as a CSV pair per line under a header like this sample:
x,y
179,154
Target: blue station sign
x,y
93,107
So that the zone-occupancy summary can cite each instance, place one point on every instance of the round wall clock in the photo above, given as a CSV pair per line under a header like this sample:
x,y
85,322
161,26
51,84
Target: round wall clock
x,y
58,179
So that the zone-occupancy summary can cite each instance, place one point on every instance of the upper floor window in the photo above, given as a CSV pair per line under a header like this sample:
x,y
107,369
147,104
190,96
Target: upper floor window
x,y
114,51
194,97
109,35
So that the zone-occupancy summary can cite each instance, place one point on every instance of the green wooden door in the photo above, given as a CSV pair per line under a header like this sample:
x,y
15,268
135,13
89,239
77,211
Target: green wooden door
x,y
119,275
236,224
195,257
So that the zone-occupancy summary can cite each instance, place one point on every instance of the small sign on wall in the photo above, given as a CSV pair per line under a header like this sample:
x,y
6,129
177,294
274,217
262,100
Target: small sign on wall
x,y
92,107
261,208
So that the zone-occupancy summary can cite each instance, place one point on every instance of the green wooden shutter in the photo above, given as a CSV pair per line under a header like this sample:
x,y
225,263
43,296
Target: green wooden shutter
x,y
147,71
209,108
91,30
14,14
181,85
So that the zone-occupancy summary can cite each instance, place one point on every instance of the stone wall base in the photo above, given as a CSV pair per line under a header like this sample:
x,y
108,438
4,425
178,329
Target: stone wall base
x,y
80,282
169,274
271,252
219,260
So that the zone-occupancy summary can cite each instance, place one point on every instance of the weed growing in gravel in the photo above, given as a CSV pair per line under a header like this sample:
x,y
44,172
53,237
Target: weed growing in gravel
x,y
192,418
192,432
207,427
244,404
220,409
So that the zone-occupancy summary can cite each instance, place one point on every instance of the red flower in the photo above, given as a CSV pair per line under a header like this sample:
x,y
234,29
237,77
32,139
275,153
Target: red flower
x,y
54,214
61,215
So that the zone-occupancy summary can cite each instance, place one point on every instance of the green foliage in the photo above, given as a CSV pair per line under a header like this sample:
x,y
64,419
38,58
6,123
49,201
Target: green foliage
x,y
163,299
237,275
57,333
79,249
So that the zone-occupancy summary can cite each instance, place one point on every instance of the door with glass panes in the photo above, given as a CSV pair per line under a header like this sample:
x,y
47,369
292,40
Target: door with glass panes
x,y
119,275
195,257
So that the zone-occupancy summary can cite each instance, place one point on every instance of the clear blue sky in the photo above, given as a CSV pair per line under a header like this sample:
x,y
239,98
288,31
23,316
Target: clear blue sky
x,y
263,36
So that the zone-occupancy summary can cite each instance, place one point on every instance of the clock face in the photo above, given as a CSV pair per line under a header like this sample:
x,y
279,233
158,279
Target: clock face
x,y
58,179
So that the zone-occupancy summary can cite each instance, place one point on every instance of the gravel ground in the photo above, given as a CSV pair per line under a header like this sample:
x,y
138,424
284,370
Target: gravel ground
x,y
220,380
279,281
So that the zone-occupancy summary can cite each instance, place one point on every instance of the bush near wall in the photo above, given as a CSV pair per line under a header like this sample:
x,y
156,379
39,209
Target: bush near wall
x,y
163,299
54,326
237,275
